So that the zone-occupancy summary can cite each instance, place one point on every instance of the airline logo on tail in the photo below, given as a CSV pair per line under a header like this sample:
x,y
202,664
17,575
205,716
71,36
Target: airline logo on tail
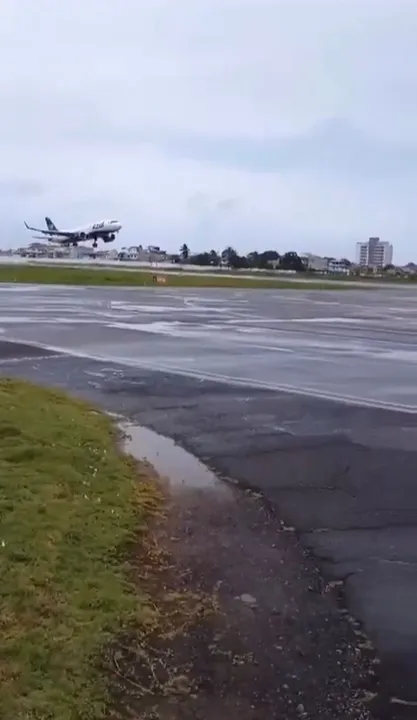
x,y
50,225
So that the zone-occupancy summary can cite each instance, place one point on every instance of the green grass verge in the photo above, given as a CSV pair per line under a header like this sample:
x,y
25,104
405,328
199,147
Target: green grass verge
x,y
69,504
61,275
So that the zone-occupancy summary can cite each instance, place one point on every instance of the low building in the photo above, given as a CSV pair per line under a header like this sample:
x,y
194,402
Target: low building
x,y
138,253
410,268
325,264
314,262
338,267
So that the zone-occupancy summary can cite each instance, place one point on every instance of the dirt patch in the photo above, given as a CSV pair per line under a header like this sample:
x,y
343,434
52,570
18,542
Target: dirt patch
x,y
243,627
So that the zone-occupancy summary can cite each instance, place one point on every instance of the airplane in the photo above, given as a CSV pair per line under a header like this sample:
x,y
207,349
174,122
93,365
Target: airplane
x,y
106,230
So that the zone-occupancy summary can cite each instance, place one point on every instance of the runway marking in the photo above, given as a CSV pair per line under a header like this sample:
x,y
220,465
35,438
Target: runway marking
x,y
94,374
31,358
233,336
228,379
406,703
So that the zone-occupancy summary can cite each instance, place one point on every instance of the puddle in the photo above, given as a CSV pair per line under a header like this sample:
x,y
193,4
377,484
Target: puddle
x,y
170,461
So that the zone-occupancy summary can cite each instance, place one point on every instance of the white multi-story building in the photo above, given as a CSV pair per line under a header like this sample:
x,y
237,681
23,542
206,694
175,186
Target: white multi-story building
x,y
374,253
338,267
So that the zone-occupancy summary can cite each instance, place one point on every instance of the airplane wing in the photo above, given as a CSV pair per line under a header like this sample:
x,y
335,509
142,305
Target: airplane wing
x,y
50,232
60,241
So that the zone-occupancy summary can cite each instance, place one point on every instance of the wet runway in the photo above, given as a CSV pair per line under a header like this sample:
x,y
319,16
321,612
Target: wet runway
x,y
343,474
358,345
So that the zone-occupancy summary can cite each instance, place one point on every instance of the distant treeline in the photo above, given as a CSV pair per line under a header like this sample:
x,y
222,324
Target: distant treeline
x,y
266,260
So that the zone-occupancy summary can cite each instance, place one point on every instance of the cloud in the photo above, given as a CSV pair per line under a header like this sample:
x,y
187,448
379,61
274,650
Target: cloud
x,y
210,217
333,147
200,204
19,187
244,122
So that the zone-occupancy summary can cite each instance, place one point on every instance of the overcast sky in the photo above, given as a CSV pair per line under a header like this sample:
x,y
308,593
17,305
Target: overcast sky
x,y
288,124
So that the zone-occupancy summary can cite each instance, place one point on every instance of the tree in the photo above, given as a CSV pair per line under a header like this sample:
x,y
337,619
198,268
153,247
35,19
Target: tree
x,y
233,260
253,259
267,258
184,253
229,256
263,260
214,258
206,258
291,261
201,259
239,262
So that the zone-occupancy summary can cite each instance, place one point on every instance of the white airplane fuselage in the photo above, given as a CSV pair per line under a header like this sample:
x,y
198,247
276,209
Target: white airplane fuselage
x,y
105,230
95,230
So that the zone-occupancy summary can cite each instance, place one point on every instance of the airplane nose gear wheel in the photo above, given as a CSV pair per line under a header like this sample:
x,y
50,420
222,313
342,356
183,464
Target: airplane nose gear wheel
x,y
95,244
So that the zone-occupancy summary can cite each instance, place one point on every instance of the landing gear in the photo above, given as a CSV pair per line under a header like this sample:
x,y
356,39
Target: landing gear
x,y
95,244
74,244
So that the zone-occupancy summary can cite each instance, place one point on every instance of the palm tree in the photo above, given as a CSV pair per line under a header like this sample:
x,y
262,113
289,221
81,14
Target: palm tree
x,y
184,252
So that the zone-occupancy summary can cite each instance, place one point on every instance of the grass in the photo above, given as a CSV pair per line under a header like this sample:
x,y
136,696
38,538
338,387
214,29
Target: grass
x,y
69,505
65,275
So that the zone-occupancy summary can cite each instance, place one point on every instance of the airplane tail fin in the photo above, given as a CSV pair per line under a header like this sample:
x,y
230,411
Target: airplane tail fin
x,y
50,224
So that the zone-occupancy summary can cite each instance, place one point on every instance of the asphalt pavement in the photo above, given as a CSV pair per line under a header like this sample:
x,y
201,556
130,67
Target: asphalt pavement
x,y
308,396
